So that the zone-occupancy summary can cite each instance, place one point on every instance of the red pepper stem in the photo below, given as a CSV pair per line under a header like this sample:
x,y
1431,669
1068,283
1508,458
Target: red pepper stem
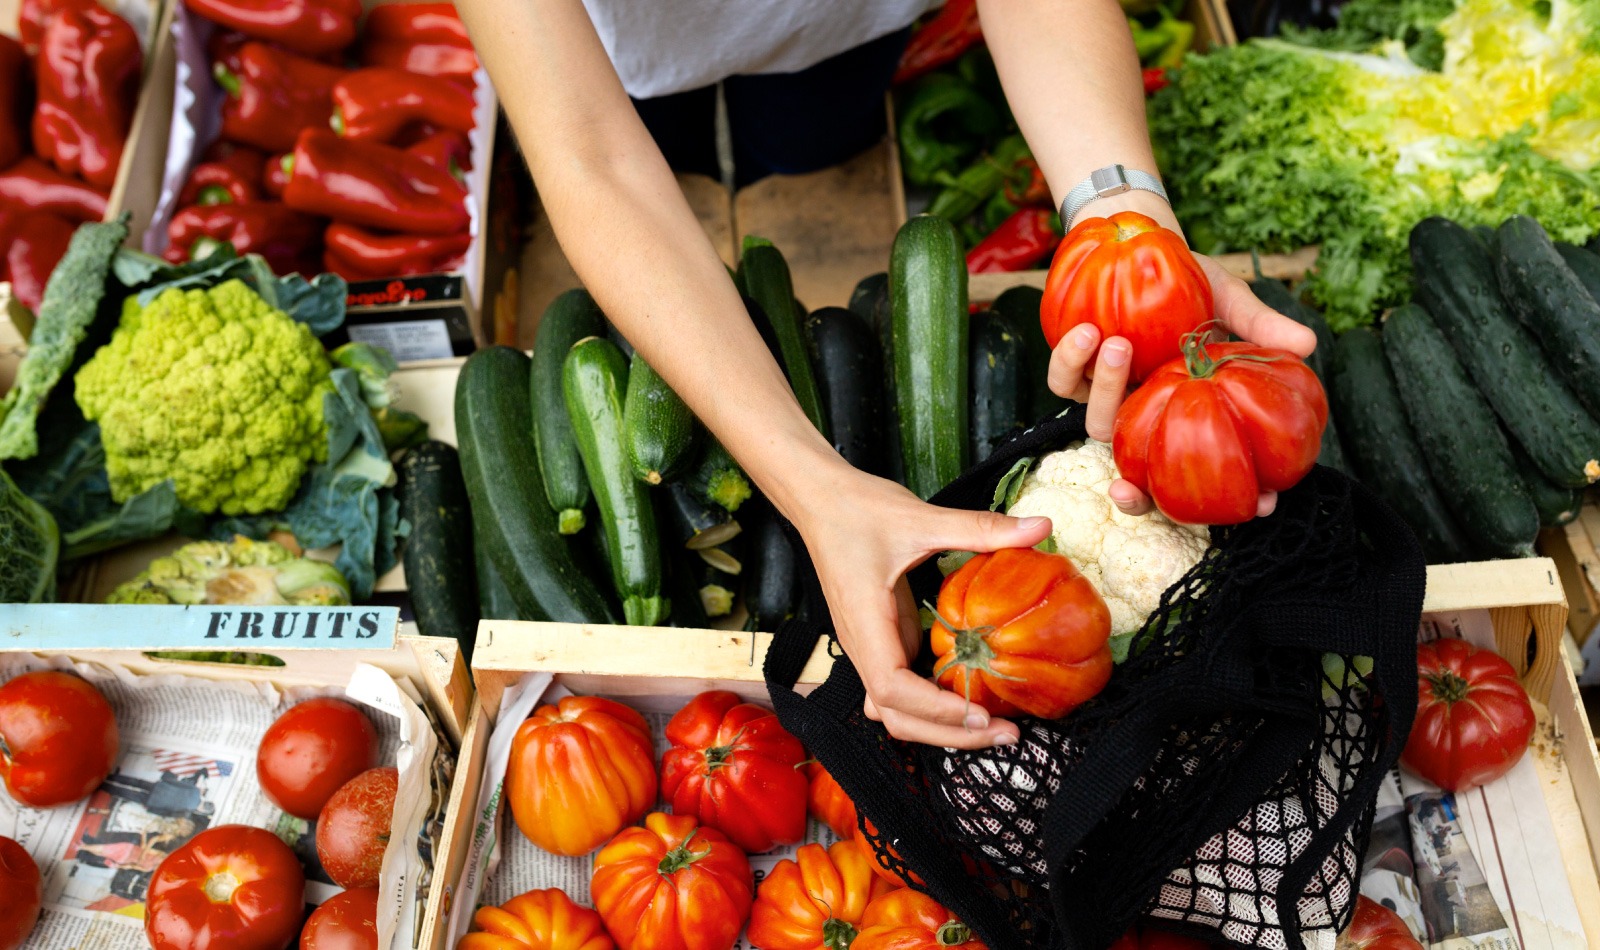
x,y
214,195
227,79
204,247
336,121
287,164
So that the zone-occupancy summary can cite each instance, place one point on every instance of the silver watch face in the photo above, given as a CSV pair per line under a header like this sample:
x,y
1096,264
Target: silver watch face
x,y
1108,181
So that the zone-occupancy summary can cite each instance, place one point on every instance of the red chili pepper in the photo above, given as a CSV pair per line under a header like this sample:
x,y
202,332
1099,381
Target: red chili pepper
x,y
429,59
232,179
312,27
31,185
274,95
16,105
359,254
376,104
1020,241
1155,80
34,243
941,40
275,175
287,239
34,15
416,23
373,185
445,149
88,79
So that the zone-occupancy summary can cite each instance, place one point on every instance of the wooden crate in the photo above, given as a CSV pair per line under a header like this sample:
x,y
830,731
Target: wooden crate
x,y
641,665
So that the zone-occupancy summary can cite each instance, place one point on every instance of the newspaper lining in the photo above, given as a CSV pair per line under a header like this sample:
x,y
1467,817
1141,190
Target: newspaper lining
x,y
187,763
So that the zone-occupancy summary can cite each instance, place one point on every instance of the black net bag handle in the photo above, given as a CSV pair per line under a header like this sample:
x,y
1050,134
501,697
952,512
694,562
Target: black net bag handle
x,y
1221,785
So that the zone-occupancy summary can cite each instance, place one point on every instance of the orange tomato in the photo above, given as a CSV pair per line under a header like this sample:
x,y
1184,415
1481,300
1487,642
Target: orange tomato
x,y
828,803
672,885
911,920
816,901
537,920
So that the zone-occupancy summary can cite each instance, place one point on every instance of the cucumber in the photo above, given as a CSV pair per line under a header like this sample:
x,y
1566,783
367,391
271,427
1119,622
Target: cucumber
x,y
1463,445
765,278
1585,266
1381,449
848,361
998,387
928,298
1455,283
1276,294
569,318
660,430
869,294
717,479
1550,300
510,507
1556,505
594,378
692,522
771,572
1487,237
440,570
1332,452
1021,305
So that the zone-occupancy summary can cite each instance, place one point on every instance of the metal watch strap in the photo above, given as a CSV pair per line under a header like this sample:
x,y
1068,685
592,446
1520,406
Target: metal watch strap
x,y
1103,183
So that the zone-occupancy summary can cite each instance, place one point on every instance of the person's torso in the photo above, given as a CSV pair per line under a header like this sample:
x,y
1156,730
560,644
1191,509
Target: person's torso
x,y
661,47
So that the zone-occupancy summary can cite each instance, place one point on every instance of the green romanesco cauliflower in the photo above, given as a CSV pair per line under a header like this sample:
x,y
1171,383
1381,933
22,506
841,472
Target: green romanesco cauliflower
x,y
214,389
240,571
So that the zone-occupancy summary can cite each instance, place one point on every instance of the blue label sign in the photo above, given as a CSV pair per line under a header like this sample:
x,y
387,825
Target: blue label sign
x,y
59,627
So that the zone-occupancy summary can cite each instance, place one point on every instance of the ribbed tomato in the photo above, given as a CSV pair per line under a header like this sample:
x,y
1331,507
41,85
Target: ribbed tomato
x,y
24,889
354,827
346,921
311,750
911,920
1021,631
1132,278
1376,927
734,766
537,920
232,887
1473,717
1210,431
828,803
580,771
816,901
672,885
58,738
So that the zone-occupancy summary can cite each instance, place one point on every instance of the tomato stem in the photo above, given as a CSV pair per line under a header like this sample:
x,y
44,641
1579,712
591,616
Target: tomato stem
x,y
1448,687
837,934
718,755
972,653
219,887
953,933
1198,359
679,858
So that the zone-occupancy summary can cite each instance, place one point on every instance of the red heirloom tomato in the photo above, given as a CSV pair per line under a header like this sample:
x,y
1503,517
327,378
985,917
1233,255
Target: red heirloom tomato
x,y
911,920
58,738
816,901
346,921
232,887
537,920
353,829
828,803
24,890
734,766
672,885
579,772
1473,716
1141,939
1021,631
1376,927
1132,278
1212,430
312,750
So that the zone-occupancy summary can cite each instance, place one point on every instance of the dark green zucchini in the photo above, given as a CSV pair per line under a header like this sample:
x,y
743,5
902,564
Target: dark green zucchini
x,y
1382,450
1556,505
848,360
997,387
494,597
594,378
1332,453
440,571
1455,282
882,321
1464,447
660,430
928,297
507,493
771,572
569,318
869,294
1550,300
1584,264
717,479
687,610
1021,305
690,521
1487,237
1593,247
1275,294
764,275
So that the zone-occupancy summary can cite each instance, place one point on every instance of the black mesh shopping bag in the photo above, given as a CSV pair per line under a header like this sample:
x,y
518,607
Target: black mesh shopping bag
x,y
1221,785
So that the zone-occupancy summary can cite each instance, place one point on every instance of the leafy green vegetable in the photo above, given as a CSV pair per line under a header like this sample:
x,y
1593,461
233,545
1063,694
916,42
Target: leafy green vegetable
x,y
375,367
1364,24
240,571
318,303
29,544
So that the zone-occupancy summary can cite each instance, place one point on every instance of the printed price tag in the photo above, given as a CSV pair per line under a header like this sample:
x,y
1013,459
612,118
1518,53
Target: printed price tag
x,y
57,627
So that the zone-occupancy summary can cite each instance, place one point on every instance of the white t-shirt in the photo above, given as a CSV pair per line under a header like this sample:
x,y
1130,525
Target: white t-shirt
x,y
661,47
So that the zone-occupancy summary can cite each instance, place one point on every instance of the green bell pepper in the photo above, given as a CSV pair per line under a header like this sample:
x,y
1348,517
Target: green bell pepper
x,y
943,123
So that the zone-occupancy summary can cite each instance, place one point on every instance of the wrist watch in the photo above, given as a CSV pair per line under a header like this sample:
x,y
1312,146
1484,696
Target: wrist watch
x,y
1103,183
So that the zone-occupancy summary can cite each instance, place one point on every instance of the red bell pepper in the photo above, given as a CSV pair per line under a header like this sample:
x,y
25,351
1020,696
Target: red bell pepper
x,y
1020,241
416,23
287,239
376,104
373,185
311,27
275,175
15,103
31,185
88,79
34,15
941,40
445,149
273,96
34,243
356,253
230,178
429,59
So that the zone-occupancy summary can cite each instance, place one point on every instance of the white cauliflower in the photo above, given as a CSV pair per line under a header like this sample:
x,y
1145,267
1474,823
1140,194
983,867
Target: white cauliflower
x,y
1129,559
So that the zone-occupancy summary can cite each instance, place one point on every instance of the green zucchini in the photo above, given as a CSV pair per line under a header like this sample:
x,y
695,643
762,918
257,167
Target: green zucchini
x,y
848,360
569,318
594,378
1455,282
771,572
765,277
660,430
1275,294
692,522
1556,505
1584,264
1382,450
928,297
1550,300
717,479
1021,305
997,383
440,573
865,298
494,597
882,321
1463,445
510,508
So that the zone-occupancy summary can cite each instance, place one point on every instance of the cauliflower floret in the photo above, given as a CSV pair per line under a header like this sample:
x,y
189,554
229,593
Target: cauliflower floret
x,y
215,389
1129,559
